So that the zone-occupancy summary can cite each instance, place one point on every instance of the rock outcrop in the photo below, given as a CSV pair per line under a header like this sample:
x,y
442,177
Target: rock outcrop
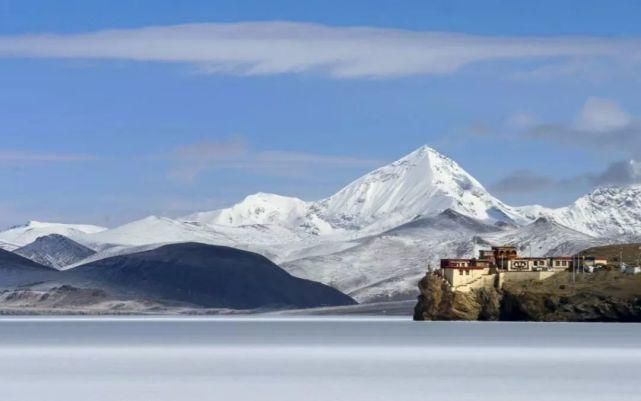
x,y
606,296
438,302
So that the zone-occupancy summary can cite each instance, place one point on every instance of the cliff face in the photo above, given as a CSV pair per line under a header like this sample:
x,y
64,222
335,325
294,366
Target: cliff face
x,y
601,297
580,307
438,302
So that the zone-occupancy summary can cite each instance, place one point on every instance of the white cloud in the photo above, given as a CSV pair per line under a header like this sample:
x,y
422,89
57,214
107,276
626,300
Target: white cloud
x,y
600,124
602,115
263,48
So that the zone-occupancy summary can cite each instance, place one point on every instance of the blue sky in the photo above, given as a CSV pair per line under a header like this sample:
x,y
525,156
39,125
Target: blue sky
x,y
104,119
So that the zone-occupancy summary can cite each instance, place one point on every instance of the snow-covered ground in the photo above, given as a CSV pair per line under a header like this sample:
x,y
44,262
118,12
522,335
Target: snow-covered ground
x,y
22,235
311,358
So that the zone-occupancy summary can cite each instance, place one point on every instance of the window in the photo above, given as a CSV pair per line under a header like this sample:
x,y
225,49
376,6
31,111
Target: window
x,y
460,272
565,263
467,272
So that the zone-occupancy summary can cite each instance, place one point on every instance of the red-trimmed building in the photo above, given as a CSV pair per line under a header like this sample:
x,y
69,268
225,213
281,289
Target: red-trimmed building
x,y
462,271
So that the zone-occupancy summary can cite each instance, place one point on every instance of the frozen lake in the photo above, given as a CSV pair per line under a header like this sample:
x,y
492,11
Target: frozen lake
x,y
315,359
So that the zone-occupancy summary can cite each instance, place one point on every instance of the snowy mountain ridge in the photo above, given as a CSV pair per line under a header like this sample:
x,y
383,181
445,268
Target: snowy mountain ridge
x,y
18,236
375,237
423,183
605,212
266,209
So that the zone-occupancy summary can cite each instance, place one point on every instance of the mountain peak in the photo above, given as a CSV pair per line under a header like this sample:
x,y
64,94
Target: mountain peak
x,y
426,153
270,197
423,151
260,208
51,237
423,183
54,250
29,232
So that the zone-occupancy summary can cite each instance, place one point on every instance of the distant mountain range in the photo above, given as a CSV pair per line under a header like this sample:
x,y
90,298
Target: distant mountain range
x,y
186,274
376,237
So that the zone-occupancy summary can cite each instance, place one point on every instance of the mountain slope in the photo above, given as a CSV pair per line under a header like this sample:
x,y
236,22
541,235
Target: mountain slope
x,y
605,212
16,270
156,230
153,229
8,246
55,251
25,234
206,275
545,237
387,266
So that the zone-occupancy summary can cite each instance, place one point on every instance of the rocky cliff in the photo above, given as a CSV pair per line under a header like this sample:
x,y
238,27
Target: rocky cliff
x,y
600,297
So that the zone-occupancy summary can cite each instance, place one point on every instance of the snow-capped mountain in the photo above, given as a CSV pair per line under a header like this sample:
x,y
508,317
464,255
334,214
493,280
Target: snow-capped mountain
x,y
266,209
18,236
153,229
387,266
606,212
375,237
55,250
262,238
423,183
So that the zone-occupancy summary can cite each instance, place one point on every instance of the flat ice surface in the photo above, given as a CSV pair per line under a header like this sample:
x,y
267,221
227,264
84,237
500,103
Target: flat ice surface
x,y
93,359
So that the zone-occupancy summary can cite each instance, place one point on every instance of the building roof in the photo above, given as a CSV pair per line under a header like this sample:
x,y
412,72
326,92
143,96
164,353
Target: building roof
x,y
472,264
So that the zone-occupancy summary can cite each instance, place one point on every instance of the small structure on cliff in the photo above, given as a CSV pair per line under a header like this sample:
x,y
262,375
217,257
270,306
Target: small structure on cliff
x,y
461,272
494,266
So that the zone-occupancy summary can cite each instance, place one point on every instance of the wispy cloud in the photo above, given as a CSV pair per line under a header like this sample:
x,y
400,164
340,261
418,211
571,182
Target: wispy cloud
x,y
522,181
264,48
17,157
600,115
190,161
617,173
528,182
601,123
